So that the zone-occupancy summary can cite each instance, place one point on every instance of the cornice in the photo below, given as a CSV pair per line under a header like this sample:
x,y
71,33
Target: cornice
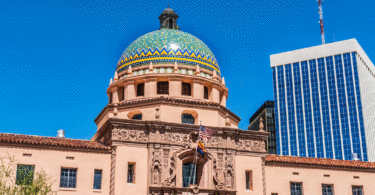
x,y
136,132
169,101
121,82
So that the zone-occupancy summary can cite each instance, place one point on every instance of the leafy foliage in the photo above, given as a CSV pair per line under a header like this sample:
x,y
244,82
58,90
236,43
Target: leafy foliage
x,y
22,179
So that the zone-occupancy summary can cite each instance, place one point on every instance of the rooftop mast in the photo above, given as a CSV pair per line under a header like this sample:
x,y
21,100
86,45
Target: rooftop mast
x,y
321,21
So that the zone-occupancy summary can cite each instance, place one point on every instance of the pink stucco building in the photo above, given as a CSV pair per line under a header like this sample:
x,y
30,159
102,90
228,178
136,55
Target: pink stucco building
x,y
167,83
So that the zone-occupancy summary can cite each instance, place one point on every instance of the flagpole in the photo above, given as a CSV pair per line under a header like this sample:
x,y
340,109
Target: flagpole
x,y
195,155
196,151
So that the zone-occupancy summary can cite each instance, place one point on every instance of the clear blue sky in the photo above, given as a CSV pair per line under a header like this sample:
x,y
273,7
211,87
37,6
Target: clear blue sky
x,y
56,57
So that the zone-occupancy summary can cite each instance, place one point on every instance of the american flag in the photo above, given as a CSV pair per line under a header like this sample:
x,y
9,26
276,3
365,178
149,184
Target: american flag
x,y
206,132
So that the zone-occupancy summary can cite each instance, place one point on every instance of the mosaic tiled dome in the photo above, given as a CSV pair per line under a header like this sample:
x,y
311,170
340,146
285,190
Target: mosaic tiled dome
x,y
168,46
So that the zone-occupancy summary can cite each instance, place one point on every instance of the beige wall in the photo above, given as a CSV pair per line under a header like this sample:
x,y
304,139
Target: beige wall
x,y
249,163
173,114
51,161
139,156
278,180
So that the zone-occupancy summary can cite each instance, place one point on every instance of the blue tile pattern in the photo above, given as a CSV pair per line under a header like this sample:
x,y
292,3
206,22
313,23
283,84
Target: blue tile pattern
x,y
168,46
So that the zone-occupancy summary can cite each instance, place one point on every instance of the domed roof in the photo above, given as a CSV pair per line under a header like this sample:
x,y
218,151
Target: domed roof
x,y
166,46
168,11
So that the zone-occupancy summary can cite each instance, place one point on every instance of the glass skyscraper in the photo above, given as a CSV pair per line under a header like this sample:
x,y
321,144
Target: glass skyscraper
x,y
325,102
267,113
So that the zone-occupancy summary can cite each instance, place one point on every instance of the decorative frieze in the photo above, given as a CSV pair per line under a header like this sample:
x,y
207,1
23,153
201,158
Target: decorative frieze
x,y
130,135
251,145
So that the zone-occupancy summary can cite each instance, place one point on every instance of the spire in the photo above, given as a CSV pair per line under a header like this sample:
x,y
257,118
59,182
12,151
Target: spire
x,y
197,71
175,67
151,68
115,78
223,81
130,72
214,75
168,19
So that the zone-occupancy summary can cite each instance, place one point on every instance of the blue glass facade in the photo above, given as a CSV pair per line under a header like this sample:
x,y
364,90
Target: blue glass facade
x,y
318,108
299,110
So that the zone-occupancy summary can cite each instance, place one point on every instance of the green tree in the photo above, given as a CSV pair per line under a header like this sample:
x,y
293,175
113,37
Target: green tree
x,y
23,180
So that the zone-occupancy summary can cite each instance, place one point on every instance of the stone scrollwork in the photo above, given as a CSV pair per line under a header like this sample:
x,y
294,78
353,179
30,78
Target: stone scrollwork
x,y
131,135
229,171
214,142
218,184
170,181
166,157
178,138
252,145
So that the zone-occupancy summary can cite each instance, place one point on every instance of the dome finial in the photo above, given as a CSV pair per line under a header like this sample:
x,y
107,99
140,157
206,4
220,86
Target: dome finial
x,y
168,19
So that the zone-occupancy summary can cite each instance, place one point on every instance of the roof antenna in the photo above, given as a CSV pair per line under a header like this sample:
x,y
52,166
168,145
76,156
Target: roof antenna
x,y
321,21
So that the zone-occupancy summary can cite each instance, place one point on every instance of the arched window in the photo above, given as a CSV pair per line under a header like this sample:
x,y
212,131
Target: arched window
x,y
137,117
189,171
205,93
170,23
187,119
163,87
186,89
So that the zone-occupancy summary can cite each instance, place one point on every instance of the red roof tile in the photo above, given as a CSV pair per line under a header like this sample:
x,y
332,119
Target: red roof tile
x,y
319,161
50,141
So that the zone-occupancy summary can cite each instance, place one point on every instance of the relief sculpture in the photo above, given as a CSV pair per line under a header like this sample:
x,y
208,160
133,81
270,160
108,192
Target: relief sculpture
x,y
252,145
131,135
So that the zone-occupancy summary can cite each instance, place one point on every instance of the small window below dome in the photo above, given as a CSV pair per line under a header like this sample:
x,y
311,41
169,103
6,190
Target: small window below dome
x,y
110,98
187,119
205,93
141,89
121,94
186,89
170,23
163,87
137,117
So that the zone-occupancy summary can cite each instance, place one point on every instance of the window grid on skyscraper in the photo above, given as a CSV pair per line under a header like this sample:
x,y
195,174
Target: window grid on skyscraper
x,y
325,108
299,110
316,109
323,103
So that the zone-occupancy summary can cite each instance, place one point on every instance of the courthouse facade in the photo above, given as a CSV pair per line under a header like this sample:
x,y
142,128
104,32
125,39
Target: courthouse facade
x,y
166,84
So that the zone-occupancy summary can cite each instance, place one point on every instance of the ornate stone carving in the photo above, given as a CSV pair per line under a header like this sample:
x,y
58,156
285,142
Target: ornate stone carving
x,y
218,184
220,161
229,170
166,157
214,142
131,135
178,138
170,181
156,167
252,145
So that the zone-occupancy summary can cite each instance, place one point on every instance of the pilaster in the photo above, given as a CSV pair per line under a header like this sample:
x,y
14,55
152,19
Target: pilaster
x,y
198,92
129,90
150,87
175,87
